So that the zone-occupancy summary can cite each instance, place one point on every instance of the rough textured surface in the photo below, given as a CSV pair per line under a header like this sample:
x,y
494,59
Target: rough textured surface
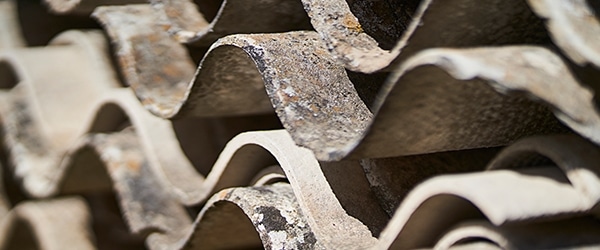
x,y
435,23
146,211
397,124
146,56
323,112
321,108
273,212
541,75
188,22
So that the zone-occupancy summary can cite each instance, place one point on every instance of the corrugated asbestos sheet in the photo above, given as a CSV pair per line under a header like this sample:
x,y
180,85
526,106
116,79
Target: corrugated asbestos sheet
x,y
300,124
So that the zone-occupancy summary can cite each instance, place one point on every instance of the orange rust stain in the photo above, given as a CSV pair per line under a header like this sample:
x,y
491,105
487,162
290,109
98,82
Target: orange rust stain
x,y
285,98
314,108
147,101
352,24
171,70
153,37
222,195
321,52
125,63
173,12
157,79
133,166
165,27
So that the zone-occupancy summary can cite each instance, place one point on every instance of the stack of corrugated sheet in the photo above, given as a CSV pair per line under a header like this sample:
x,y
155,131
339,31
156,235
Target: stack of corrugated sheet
x,y
300,124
